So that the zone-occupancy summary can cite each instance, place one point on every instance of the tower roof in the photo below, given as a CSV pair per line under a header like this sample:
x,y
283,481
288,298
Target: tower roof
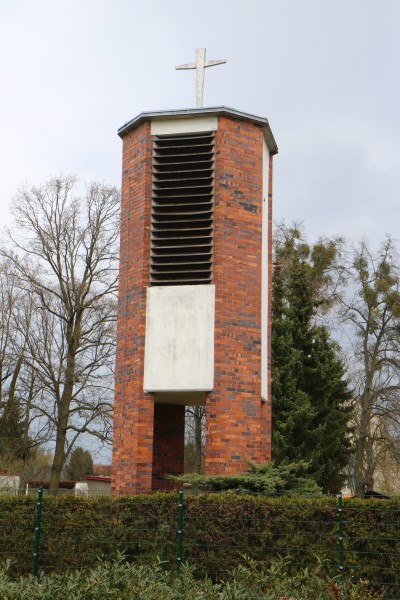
x,y
211,112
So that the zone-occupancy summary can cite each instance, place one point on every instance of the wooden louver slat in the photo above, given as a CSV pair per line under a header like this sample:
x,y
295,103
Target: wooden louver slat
x,y
182,219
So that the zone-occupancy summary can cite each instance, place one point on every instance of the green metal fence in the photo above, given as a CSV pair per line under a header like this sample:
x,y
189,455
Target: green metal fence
x,y
354,539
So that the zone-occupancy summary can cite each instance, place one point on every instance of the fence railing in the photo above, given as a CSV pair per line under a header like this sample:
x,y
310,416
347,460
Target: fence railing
x,y
214,533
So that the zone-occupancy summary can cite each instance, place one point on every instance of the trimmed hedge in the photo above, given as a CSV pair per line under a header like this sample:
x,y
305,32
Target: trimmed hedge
x,y
218,530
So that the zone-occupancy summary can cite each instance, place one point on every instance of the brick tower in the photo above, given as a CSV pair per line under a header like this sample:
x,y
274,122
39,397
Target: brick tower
x,y
194,292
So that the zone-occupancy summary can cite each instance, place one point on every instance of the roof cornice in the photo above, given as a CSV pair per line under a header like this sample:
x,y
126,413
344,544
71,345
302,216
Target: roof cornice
x,y
214,111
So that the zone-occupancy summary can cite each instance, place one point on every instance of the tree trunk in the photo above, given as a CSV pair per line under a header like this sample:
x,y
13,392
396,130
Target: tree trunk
x,y
64,404
59,458
13,384
28,407
359,480
361,442
13,404
369,463
198,438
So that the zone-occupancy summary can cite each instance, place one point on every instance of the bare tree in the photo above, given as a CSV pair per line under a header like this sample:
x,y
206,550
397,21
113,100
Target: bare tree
x,y
195,434
371,309
10,361
15,387
64,251
22,430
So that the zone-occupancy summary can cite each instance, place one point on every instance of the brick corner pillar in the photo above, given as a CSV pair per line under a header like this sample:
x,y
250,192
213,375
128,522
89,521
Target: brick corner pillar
x,y
238,418
133,408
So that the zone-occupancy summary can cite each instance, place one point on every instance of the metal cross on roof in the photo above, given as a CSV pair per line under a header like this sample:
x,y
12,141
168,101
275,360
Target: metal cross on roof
x,y
200,65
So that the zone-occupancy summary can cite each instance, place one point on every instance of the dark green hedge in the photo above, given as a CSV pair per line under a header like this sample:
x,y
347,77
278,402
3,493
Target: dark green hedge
x,y
218,530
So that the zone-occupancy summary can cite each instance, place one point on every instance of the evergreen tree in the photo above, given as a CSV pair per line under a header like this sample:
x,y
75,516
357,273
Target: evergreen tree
x,y
14,439
11,432
310,398
80,464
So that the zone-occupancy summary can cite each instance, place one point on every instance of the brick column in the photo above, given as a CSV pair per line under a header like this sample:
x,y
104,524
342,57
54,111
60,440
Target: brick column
x,y
234,415
133,409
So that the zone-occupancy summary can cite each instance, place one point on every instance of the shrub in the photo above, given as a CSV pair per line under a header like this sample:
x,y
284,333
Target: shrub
x,y
266,479
124,581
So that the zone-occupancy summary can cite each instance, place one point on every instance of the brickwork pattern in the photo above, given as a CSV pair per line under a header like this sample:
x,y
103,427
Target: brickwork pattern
x,y
133,409
235,418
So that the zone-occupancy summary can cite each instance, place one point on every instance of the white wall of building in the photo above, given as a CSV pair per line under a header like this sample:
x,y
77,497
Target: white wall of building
x,y
264,277
190,125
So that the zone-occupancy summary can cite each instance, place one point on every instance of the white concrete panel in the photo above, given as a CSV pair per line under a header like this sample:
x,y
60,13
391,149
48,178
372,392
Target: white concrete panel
x,y
179,348
191,125
264,277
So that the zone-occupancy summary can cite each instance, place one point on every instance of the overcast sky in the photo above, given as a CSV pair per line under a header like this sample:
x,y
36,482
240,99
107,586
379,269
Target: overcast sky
x,y
325,74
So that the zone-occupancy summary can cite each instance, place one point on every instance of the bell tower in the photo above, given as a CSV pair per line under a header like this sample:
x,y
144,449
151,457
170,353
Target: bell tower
x,y
194,293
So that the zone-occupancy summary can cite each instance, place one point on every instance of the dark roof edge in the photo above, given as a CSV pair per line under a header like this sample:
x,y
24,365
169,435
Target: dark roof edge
x,y
193,112
104,478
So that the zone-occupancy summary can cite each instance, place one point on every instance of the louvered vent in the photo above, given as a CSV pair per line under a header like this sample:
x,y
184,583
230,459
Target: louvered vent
x,y
182,209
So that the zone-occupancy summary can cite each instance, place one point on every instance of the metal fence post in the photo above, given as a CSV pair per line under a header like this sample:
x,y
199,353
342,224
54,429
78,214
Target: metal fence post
x,y
341,548
180,530
37,531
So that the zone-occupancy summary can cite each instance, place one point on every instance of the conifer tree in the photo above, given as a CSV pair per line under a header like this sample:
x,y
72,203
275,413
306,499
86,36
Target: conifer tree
x,y
80,464
310,397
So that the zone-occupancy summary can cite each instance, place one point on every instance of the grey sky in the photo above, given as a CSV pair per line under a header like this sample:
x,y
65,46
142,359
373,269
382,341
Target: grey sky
x,y
325,74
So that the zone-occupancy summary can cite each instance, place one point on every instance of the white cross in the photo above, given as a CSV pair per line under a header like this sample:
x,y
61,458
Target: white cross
x,y
200,65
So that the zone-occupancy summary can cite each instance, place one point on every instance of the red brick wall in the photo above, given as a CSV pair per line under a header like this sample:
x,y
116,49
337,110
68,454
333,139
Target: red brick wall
x,y
234,415
133,409
168,452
